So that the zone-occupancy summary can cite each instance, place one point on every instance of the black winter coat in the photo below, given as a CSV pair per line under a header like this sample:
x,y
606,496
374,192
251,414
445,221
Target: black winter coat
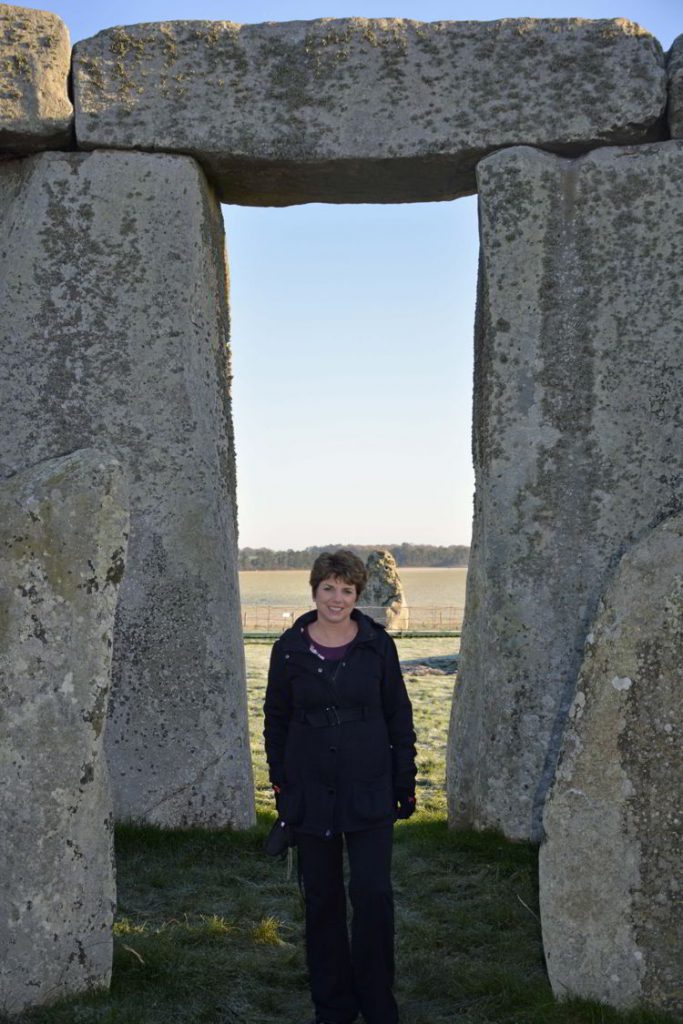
x,y
338,777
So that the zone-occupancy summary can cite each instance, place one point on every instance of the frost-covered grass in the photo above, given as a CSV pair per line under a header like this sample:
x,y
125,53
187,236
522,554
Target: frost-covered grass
x,y
209,929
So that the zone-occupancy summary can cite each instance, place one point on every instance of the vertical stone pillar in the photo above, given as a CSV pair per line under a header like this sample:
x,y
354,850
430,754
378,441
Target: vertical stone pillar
x,y
63,529
578,430
609,869
674,64
113,288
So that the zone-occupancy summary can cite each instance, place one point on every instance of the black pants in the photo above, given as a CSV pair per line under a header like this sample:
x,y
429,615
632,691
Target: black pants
x,y
346,979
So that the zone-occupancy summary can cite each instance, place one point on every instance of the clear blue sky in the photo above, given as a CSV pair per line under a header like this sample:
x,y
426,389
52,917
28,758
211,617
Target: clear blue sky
x,y
352,325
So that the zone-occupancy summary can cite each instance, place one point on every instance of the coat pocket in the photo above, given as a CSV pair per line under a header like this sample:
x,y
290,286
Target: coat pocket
x,y
373,801
291,804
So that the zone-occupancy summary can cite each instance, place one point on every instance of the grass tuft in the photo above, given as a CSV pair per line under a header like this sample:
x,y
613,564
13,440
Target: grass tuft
x,y
267,932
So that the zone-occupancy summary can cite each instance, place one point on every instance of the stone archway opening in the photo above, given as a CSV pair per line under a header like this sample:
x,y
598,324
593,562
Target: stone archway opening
x,y
352,352
362,110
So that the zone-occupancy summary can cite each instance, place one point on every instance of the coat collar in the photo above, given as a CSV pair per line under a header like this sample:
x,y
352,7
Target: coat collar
x,y
295,637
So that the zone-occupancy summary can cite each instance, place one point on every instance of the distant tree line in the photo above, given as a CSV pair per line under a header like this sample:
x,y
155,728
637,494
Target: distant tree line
x,y
406,555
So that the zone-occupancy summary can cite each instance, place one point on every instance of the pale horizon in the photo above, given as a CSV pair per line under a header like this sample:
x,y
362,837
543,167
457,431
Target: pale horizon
x,y
357,543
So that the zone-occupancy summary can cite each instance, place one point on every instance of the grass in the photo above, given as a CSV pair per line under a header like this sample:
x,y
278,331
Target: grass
x,y
209,929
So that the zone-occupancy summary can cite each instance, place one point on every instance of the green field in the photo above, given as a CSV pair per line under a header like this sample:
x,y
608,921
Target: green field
x,y
209,929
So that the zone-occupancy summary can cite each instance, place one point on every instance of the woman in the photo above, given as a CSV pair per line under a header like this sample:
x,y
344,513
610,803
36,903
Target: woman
x,y
341,752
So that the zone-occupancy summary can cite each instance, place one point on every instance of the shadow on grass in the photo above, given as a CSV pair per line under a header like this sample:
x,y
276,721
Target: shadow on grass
x,y
209,931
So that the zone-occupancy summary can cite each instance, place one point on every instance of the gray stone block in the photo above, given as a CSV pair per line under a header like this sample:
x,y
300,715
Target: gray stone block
x,y
610,865
113,286
578,433
364,110
674,67
383,597
35,62
63,531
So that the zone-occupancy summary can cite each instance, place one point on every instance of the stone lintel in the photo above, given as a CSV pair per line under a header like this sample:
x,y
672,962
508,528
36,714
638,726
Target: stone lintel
x,y
35,62
365,110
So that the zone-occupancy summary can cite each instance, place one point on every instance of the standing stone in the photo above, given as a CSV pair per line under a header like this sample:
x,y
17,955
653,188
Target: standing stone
x,y
674,66
35,63
112,281
63,530
611,902
578,433
365,109
382,596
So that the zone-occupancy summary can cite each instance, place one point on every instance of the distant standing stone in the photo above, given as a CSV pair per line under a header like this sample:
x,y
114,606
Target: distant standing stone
x,y
63,535
610,867
35,63
383,596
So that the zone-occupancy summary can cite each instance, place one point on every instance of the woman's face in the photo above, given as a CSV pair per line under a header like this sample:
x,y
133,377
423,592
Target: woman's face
x,y
335,599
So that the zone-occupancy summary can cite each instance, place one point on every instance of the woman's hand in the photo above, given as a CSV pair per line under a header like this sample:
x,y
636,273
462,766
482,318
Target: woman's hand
x,y
405,803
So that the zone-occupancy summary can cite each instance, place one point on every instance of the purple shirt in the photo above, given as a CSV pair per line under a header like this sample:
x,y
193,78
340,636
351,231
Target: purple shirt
x,y
327,653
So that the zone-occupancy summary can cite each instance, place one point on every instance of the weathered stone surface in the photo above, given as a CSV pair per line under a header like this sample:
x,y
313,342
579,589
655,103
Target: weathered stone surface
x,y
362,110
112,284
610,865
35,62
383,596
578,433
63,530
674,66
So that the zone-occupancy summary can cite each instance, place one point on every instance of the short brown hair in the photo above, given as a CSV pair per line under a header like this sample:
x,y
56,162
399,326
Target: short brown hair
x,y
343,565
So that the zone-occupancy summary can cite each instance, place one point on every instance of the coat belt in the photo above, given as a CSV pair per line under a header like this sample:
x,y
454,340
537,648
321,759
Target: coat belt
x,y
318,718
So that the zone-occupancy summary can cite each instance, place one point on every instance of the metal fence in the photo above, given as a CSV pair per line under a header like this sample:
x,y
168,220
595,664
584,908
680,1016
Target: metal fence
x,y
264,618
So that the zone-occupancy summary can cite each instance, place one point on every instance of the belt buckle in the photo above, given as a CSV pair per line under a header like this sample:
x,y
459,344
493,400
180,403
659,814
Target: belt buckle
x,y
335,717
